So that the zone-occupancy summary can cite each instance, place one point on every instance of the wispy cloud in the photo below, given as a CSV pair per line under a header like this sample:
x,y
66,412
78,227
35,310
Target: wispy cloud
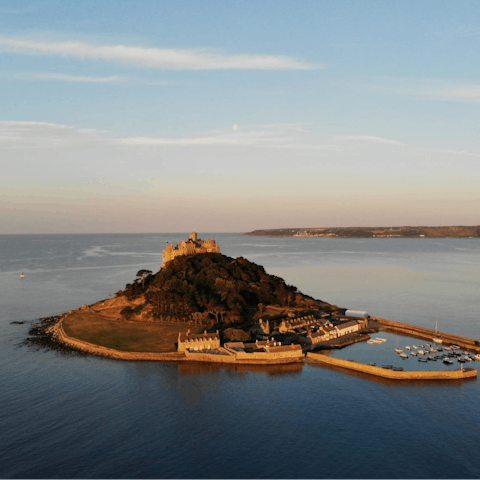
x,y
466,94
60,77
369,139
162,58
429,88
150,141
291,136
15,134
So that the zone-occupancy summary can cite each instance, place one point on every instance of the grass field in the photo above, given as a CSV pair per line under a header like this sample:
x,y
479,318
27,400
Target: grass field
x,y
125,336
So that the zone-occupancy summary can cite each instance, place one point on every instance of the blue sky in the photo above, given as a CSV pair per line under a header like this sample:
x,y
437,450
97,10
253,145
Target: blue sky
x,y
145,116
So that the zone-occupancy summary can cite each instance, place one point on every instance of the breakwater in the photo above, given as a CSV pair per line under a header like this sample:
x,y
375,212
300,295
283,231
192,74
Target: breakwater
x,y
394,375
428,334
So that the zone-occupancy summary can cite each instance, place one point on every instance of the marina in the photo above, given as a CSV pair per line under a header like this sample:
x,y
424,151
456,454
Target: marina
x,y
429,359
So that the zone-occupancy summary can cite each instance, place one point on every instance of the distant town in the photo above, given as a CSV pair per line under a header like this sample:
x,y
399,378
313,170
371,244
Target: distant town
x,y
372,232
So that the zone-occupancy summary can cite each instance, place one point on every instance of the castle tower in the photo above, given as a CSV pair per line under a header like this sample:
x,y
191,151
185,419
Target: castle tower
x,y
191,246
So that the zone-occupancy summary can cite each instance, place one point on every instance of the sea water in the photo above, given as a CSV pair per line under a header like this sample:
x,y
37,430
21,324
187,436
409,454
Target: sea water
x,y
81,416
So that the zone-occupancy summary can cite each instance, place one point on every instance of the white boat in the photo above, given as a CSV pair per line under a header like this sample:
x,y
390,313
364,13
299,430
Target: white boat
x,y
448,361
427,345
413,354
370,342
398,350
477,356
407,348
404,356
421,352
415,347
381,339
22,275
436,338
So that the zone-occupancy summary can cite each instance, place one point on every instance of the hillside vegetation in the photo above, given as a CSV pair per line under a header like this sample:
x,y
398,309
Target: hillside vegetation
x,y
209,289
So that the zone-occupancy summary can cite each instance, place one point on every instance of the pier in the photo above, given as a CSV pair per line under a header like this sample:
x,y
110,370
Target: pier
x,y
391,374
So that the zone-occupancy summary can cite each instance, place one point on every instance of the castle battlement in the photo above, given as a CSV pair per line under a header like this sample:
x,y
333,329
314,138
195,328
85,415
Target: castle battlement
x,y
191,246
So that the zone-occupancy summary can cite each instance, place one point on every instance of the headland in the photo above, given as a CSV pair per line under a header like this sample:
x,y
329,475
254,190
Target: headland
x,y
372,232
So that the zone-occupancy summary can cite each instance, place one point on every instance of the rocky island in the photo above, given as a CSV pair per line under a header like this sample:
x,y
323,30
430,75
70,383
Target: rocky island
x,y
207,307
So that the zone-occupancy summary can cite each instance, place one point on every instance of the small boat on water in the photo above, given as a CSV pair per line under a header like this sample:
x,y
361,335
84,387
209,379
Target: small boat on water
x,y
427,345
22,275
397,369
461,360
423,360
448,361
431,358
398,350
404,356
371,342
421,352
477,356
413,354
415,347
381,339
388,367
422,346
407,348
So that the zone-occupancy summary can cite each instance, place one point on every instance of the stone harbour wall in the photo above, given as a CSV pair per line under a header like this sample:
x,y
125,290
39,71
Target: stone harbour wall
x,y
387,373
428,334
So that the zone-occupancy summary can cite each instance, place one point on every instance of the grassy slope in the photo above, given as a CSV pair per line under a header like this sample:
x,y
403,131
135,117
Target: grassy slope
x,y
125,336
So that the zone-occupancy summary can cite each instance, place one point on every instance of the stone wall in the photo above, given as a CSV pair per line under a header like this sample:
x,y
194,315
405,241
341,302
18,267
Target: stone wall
x,y
428,334
387,373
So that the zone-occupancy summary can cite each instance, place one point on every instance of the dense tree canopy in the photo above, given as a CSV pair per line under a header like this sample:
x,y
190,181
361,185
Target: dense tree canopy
x,y
212,288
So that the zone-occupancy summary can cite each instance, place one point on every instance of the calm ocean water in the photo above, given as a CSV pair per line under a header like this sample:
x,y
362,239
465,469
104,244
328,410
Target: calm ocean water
x,y
72,416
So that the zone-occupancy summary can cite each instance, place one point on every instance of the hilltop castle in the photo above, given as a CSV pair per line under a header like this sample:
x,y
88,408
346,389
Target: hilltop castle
x,y
191,246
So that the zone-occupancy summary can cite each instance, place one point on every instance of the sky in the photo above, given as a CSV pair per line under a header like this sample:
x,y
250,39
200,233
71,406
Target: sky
x,y
155,116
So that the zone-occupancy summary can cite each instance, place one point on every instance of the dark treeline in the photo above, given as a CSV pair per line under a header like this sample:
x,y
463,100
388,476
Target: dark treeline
x,y
211,288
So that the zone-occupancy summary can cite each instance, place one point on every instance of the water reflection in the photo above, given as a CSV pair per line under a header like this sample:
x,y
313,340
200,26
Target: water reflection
x,y
390,382
187,368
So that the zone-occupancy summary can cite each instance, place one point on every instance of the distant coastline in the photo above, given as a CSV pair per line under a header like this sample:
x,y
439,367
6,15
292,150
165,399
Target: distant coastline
x,y
372,232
